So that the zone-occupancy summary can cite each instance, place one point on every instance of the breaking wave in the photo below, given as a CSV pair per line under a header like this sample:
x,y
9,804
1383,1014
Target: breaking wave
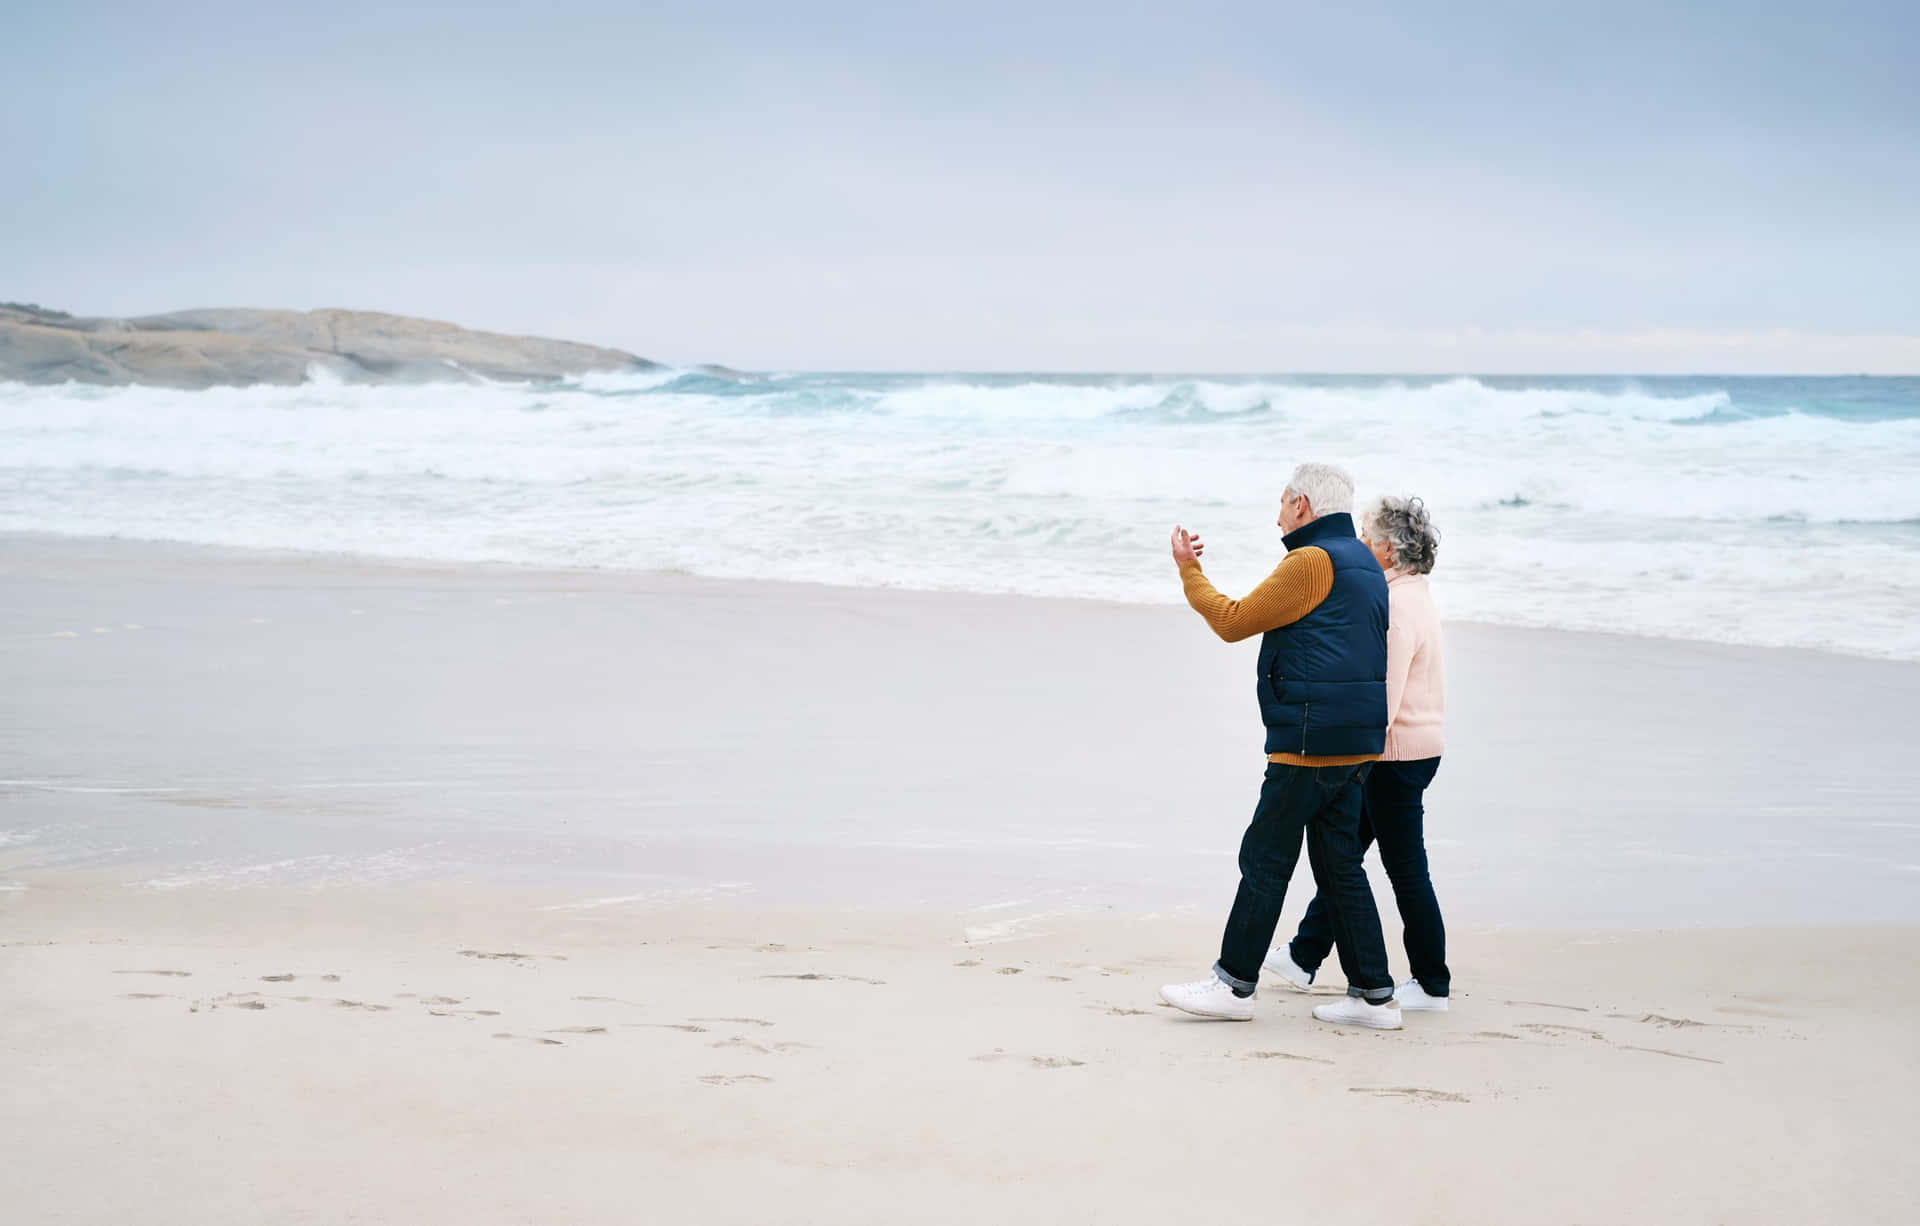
x,y
1771,511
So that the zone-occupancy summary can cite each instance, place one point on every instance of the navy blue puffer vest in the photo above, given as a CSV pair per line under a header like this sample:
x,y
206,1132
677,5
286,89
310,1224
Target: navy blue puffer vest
x,y
1323,679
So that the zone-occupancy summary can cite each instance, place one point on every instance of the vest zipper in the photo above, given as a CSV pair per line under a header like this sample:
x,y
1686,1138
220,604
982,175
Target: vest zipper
x,y
1306,713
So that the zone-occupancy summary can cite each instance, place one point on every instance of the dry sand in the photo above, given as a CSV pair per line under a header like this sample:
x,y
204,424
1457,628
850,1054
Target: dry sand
x,y
948,847
427,1056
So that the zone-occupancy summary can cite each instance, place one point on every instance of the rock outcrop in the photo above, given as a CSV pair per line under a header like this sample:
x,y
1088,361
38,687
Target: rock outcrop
x,y
235,347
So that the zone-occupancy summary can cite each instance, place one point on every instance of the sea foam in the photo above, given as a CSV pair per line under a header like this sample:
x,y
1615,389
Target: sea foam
x,y
1767,511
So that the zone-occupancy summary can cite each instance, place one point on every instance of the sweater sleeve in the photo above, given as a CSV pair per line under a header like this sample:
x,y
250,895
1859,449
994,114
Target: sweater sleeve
x,y
1401,646
1294,589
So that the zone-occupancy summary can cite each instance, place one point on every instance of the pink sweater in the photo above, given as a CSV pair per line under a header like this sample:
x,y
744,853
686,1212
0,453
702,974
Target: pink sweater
x,y
1416,677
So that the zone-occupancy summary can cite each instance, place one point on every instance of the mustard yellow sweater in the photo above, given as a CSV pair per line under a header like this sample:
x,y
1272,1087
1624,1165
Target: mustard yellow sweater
x,y
1294,589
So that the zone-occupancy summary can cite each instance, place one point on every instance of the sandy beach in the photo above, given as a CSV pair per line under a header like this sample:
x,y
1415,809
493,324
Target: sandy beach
x,y
341,891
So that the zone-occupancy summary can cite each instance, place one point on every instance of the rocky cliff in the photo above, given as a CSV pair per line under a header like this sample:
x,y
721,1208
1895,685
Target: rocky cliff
x,y
196,349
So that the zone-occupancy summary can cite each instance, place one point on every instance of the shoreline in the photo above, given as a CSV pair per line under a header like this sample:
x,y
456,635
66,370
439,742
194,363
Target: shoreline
x,y
454,567
341,905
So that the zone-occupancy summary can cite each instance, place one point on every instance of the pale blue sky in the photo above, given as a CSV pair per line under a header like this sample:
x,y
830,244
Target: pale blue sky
x,y
1209,186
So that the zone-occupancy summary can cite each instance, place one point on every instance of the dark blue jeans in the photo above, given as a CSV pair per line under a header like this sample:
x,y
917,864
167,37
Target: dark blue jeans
x,y
1394,815
1323,803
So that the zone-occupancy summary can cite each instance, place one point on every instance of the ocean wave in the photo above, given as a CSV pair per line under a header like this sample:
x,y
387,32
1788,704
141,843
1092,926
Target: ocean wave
x,y
1201,399
628,382
1593,505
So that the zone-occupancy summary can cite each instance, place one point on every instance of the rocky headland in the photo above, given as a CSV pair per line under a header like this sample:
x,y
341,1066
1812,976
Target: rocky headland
x,y
236,347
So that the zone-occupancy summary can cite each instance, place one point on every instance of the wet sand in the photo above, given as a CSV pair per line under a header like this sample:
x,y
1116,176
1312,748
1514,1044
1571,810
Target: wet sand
x,y
227,717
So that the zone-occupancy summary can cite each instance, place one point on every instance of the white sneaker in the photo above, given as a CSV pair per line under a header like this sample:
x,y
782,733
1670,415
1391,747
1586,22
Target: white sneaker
x,y
1209,997
1414,999
1353,1011
1279,961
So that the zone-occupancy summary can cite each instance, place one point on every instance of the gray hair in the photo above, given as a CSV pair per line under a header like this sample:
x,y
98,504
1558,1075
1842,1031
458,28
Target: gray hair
x,y
1329,489
1404,524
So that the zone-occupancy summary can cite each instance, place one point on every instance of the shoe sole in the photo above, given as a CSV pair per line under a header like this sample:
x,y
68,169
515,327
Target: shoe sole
x,y
1218,1017
1439,1008
1355,1021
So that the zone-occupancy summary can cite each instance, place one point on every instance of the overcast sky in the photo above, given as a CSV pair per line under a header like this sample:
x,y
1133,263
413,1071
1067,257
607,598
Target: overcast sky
x,y
1031,186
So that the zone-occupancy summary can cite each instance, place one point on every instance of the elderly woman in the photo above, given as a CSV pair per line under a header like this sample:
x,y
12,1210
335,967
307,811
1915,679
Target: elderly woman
x,y
1404,542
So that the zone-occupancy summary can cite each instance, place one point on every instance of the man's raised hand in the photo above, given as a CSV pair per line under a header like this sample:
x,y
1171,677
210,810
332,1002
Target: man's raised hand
x,y
1186,547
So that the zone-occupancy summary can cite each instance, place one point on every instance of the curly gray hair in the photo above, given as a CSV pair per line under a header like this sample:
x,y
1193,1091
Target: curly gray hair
x,y
1404,524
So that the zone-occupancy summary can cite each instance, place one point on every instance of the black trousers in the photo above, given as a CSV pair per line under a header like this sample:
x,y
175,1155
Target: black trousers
x,y
1323,803
1395,815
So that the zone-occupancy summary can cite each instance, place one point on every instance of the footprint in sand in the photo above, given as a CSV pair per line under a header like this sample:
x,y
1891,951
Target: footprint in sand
x,y
817,975
741,1041
1661,1051
180,974
1676,1023
464,1012
735,1079
1546,1004
232,1000
530,1038
688,1027
999,1053
578,1030
343,1003
1493,1034
509,957
438,1000
290,977
738,1021
1410,1093
144,996
1553,1028
608,1000
1117,1011
971,962
1285,1055
1060,978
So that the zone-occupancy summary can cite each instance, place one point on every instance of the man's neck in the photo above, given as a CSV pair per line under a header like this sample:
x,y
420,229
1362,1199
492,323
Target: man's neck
x,y
1336,523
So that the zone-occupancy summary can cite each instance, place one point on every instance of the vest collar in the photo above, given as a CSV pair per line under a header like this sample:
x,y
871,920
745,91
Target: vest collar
x,y
1340,523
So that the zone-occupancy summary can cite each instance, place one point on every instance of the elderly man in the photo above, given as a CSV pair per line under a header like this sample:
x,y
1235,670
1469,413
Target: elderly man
x,y
1321,680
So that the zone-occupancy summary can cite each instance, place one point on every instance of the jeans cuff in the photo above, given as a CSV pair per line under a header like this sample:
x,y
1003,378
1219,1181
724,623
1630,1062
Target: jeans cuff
x,y
1238,985
1373,996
